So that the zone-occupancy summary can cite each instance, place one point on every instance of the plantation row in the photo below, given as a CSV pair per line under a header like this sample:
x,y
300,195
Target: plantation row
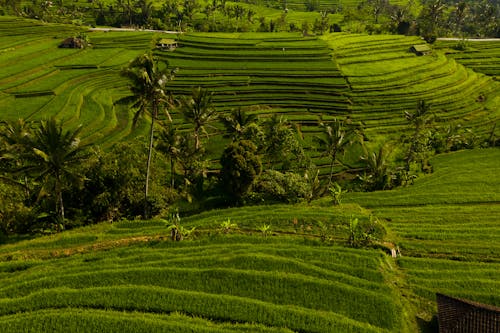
x,y
273,282
446,226
481,56
386,79
38,80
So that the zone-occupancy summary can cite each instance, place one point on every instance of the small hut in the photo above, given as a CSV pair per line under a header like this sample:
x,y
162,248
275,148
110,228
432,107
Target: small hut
x,y
421,49
167,44
72,43
457,315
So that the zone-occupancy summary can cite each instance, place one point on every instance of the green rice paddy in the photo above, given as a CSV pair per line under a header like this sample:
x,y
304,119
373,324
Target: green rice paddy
x,y
130,277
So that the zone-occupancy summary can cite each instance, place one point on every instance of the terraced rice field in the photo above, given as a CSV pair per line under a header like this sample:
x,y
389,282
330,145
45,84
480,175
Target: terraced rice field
x,y
481,56
446,226
305,5
283,74
128,276
39,80
386,80
287,72
232,283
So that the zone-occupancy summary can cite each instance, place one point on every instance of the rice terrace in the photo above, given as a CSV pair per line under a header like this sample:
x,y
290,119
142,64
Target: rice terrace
x,y
250,166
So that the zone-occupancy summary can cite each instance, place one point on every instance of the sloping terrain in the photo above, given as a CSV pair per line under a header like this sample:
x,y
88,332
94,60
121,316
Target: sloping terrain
x,y
386,79
446,226
286,279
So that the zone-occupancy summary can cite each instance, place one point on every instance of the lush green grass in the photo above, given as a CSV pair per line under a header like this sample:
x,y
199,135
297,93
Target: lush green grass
x,y
273,281
39,80
446,226
386,80
481,56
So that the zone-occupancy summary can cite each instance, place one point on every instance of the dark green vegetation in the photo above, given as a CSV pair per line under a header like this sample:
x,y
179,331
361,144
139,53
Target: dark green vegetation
x,y
256,118
426,18
230,275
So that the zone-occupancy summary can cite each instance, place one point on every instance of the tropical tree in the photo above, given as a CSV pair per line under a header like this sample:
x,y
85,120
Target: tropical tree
x,y
335,138
240,167
377,166
418,143
199,110
281,143
237,122
148,79
170,145
55,157
14,147
430,19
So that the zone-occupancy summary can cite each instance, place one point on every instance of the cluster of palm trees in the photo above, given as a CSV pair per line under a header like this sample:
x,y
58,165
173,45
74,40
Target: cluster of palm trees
x,y
46,160
43,159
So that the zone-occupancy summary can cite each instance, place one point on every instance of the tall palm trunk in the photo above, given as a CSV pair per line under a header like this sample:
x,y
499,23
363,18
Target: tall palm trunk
x,y
172,173
59,202
332,163
148,166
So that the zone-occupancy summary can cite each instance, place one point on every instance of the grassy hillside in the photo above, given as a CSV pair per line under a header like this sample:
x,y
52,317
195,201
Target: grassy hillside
x,y
129,276
481,56
446,226
79,86
231,282
386,80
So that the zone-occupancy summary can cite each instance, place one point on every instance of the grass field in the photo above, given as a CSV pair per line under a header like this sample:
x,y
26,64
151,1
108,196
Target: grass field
x,y
446,226
481,56
39,80
129,276
386,80
236,282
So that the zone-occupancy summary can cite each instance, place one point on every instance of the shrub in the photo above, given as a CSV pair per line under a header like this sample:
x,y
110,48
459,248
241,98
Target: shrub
x,y
275,186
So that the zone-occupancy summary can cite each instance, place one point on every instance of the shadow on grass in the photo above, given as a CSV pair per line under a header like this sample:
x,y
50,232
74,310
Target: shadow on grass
x,y
428,326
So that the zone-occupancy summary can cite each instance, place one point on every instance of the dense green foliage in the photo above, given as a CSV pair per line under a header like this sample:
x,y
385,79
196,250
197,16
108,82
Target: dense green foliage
x,y
102,276
336,113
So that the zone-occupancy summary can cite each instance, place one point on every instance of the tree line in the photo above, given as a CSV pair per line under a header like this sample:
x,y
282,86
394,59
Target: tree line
x,y
427,18
50,181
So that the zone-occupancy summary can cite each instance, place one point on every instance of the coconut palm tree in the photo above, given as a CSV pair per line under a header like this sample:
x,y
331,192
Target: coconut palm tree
x,y
378,166
236,123
170,142
419,121
335,138
14,139
199,110
55,156
148,79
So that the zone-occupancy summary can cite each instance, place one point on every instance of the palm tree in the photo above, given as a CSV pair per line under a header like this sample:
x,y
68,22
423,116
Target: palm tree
x,y
169,144
377,165
199,110
236,123
56,154
334,141
147,83
14,139
419,120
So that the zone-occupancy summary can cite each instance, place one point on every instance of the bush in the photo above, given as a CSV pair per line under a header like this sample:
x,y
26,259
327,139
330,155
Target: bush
x,y
240,166
274,186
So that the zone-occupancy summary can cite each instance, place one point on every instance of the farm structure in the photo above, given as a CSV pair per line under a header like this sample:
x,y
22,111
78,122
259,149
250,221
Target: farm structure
x,y
167,44
420,50
463,316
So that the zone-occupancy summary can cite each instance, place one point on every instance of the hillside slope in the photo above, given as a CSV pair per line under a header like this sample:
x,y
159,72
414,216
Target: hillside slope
x,y
129,276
